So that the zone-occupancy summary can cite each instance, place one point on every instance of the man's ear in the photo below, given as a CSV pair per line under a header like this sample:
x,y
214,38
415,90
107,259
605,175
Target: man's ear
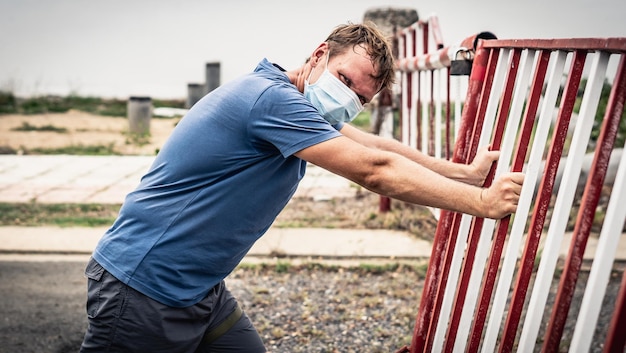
x,y
318,54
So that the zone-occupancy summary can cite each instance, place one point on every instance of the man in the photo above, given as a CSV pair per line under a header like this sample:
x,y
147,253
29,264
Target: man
x,y
229,167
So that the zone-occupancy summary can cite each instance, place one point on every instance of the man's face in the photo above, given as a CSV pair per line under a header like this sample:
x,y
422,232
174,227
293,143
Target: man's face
x,y
355,69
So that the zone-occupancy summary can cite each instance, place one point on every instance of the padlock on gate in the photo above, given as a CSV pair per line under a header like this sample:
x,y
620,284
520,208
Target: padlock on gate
x,y
464,57
462,63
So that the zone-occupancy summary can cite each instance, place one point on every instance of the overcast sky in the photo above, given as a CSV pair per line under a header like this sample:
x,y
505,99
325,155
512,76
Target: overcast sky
x,y
118,48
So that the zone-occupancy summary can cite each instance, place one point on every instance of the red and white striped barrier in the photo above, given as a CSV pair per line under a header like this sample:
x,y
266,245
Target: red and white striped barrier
x,y
540,103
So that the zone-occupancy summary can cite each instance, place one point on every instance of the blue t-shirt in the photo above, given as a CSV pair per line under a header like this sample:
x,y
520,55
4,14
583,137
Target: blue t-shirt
x,y
215,187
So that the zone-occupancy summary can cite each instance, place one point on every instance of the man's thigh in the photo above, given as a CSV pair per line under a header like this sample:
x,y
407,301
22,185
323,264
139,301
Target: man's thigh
x,y
122,319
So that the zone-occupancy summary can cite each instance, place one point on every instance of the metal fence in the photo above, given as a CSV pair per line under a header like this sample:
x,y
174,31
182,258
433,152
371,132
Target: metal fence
x,y
553,108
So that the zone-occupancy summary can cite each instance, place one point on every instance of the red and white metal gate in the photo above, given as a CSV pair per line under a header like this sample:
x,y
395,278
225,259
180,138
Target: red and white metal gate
x,y
536,101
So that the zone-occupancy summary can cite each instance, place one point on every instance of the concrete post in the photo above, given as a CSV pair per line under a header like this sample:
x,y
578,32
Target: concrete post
x,y
212,76
195,92
139,111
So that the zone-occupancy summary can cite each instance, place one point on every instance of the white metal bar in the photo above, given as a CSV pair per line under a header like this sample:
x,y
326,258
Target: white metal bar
x,y
424,88
563,204
524,204
410,47
458,103
437,87
494,99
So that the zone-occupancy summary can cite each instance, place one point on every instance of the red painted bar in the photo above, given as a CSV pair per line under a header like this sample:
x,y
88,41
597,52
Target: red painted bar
x,y
586,213
477,225
615,339
542,203
489,277
425,315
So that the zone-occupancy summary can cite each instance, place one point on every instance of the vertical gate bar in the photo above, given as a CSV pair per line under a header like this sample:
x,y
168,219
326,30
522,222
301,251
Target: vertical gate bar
x,y
585,217
414,84
476,229
418,132
491,60
486,290
439,123
415,134
431,115
448,147
405,98
616,339
542,203
423,122
433,273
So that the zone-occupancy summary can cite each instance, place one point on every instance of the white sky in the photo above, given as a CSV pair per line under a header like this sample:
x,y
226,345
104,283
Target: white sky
x,y
118,48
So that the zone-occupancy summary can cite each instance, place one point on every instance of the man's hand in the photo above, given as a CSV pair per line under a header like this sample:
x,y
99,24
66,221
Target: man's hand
x,y
479,169
502,197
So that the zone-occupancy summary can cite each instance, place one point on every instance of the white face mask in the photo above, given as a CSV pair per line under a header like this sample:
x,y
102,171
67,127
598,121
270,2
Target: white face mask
x,y
335,101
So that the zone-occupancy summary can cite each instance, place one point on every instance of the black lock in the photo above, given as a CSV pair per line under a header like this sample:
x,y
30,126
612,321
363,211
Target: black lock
x,y
461,67
462,63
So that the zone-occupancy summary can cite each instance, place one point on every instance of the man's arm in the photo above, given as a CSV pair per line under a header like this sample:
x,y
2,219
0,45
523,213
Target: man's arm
x,y
398,177
474,173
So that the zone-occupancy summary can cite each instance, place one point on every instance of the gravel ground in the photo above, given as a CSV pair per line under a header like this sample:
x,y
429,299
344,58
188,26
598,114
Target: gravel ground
x,y
309,309
296,308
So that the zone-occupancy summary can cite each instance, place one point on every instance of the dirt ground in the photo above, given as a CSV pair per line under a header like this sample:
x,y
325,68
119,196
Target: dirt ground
x,y
83,129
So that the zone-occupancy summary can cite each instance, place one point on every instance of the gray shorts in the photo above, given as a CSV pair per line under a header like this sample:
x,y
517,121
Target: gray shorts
x,y
124,320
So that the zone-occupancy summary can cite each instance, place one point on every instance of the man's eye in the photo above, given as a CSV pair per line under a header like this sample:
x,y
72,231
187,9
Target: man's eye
x,y
345,80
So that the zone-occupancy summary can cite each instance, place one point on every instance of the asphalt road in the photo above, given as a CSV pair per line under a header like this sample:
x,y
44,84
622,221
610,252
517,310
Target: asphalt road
x,y
42,306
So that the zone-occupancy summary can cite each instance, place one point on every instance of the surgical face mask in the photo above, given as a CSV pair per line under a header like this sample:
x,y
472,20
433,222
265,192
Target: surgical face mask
x,y
335,101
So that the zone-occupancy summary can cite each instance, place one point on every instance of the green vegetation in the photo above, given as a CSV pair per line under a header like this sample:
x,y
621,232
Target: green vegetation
x,y
81,150
362,120
9,104
63,215
282,266
28,127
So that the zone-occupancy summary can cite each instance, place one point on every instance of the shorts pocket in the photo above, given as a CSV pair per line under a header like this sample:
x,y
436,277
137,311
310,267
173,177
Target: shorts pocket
x,y
93,272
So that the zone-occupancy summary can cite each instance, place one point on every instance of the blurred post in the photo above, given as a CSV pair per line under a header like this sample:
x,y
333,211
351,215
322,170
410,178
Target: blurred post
x,y
212,76
139,112
195,92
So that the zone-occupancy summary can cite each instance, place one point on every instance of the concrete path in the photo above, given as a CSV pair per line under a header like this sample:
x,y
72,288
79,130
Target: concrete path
x,y
107,179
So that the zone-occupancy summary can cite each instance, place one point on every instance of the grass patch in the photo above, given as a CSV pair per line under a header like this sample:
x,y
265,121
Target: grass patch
x,y
81,150
63,215
46,128
362,120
